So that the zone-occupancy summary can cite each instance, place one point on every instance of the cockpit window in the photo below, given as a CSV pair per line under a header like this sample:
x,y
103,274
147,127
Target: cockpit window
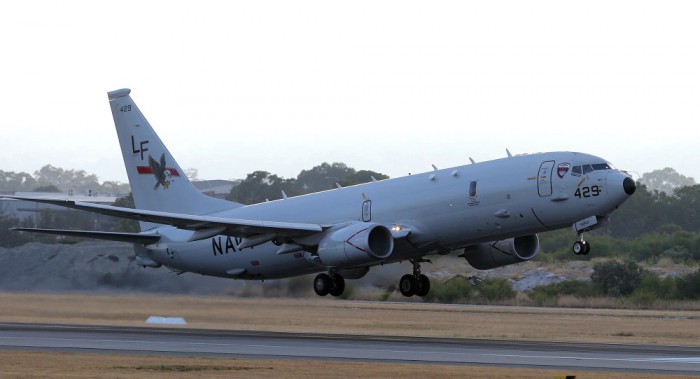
x,y
585,169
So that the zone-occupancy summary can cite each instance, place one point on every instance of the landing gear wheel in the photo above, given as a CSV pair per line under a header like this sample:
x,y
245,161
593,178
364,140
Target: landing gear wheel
x,y
587,248
322,284
407,285
423,286
337,285
581,247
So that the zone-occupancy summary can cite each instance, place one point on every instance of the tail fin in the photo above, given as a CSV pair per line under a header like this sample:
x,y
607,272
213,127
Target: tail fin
x,y
157,181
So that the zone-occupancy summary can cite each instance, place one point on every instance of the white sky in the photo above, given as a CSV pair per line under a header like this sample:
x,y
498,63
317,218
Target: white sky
x,y
392,86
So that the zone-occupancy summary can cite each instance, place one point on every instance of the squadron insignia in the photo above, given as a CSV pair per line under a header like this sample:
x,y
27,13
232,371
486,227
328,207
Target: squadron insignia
x,y
563,169
164,175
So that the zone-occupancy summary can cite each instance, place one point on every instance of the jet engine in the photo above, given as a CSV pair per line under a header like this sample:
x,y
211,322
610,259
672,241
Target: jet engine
x,y
502,253
356,244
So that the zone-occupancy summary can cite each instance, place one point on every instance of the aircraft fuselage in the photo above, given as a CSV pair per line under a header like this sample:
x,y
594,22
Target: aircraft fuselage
x,y
444,210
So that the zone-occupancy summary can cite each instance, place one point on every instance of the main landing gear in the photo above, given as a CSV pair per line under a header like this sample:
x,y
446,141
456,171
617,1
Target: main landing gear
x,y
581,247
325,284
416,284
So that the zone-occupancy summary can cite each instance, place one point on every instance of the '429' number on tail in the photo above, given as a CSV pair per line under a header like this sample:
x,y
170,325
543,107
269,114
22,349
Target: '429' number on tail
x,y
587,191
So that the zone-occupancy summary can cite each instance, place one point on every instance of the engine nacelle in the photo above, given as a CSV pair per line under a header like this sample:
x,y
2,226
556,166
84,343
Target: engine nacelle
x,y
502,253
356,244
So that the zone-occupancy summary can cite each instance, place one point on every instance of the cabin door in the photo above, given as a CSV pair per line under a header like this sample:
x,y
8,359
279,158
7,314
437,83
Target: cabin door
x,y
544,179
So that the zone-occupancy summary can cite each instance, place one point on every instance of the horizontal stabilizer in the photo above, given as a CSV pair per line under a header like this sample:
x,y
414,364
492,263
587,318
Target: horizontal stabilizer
x,y
231,227
110,236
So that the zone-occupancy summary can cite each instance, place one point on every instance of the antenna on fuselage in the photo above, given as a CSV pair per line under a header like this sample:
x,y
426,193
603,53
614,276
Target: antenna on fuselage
x,y
472,160
509,154
434,167
284,195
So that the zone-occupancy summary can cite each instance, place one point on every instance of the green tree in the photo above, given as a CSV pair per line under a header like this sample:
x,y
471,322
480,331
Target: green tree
x,y
124,224
66,179
496,289
362,176
665,180
456,289
616,279
689,286
259,186
13,181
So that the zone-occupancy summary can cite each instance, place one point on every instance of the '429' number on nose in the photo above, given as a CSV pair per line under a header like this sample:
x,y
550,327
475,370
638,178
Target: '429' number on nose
x,y
587,191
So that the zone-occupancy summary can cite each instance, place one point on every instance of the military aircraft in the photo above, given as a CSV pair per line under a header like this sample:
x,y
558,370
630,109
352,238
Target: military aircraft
x,y
491,212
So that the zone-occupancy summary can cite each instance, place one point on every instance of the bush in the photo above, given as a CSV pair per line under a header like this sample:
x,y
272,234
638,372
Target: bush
x,y
455,289
495,289
548,295
544,296
616,279
644,298
688,287
661,289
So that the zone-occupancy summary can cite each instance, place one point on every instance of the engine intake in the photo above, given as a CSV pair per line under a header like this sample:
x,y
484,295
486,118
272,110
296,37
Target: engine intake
x,y
356,244
502,253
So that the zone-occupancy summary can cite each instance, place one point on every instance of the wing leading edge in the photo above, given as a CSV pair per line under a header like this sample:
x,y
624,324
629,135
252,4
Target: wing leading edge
x,y
205,226
141,238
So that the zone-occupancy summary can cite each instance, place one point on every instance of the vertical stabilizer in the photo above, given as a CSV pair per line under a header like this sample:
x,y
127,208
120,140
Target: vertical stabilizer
x,y
157,181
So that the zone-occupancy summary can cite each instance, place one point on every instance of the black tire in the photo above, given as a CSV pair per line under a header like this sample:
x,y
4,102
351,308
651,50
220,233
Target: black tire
x,y
579,247
423,286
322,284
587,248
407,285
337,285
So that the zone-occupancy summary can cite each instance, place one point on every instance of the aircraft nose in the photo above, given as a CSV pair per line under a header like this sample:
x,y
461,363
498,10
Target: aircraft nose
x,y
629,185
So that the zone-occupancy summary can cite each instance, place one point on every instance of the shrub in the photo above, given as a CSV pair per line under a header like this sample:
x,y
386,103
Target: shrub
x,y
548,295
495,289
616,279
688,287
662,289
644,298
455,289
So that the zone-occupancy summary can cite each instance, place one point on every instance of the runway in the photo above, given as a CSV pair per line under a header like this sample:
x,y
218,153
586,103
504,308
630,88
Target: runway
x,y
270,345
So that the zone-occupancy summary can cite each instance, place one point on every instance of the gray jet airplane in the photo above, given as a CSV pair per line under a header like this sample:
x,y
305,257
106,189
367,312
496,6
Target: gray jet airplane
x,y
492,211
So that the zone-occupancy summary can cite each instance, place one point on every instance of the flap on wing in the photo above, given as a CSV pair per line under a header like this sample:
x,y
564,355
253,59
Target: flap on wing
x,y
141,238
232,227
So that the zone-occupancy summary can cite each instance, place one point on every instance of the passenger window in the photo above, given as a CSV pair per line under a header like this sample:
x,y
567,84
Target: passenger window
x,y
587,168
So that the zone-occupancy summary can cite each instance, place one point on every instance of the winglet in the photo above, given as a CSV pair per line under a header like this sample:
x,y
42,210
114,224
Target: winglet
x,y
118,93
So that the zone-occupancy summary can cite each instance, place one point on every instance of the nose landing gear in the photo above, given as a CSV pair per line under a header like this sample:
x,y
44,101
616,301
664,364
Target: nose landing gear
x,y
581,247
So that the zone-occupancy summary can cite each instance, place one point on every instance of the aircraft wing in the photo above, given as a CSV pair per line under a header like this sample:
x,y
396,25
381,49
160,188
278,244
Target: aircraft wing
x,y
143,238
207,226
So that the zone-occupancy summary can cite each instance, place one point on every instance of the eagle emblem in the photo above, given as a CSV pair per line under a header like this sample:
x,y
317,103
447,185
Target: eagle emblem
x,y
163,175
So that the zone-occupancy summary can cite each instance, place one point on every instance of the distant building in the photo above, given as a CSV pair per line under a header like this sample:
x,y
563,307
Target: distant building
x,y
216,188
